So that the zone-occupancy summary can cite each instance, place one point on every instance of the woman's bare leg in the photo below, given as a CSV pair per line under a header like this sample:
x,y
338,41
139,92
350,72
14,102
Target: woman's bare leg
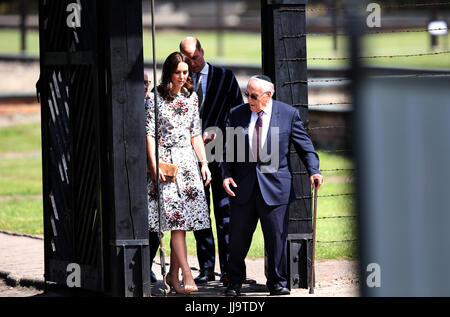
x,y
178,244
173,276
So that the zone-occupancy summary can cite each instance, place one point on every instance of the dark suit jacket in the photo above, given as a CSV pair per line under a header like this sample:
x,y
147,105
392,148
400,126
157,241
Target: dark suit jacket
x,y
276,185
222,94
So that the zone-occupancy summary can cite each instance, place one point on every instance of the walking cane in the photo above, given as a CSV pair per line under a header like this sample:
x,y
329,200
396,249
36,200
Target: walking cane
x,y
311,280
162,257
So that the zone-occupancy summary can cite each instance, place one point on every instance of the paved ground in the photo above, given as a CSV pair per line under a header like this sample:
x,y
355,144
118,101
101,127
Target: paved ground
x,y
22,263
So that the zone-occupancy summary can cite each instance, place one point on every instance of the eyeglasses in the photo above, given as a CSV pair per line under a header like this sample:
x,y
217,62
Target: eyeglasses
x,y
146,82
253,96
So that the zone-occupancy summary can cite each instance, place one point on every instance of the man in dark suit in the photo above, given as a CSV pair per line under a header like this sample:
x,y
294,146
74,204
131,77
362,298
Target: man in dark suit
x,y
218,91
261,179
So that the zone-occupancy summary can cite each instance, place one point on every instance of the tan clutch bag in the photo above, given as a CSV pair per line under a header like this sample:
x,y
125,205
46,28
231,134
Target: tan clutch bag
x,y
170,171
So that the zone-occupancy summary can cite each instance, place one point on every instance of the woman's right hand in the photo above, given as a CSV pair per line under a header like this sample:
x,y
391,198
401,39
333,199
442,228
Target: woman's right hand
x,y
162,177
151,172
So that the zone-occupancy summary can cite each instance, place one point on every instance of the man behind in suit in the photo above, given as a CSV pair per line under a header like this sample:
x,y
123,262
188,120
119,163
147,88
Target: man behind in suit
x,y
261,192
218,91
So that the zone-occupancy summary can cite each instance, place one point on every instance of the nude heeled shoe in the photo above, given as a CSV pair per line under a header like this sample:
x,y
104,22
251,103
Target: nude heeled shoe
x,y
173,286
189,288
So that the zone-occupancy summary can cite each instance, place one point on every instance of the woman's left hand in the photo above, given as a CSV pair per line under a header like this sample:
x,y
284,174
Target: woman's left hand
x,y
206,174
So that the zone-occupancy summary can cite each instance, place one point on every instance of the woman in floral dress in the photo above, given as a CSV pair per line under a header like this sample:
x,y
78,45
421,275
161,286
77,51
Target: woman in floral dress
x,y
183,202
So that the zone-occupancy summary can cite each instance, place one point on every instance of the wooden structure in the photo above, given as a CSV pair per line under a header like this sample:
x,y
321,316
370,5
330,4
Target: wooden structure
x,y
284,61
93,136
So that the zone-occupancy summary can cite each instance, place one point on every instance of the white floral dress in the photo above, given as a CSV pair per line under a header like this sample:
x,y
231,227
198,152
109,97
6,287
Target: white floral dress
x,y
183,203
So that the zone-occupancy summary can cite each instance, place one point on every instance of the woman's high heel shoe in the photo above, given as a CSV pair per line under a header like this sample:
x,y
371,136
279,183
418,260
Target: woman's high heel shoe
x,y
190,289
174,286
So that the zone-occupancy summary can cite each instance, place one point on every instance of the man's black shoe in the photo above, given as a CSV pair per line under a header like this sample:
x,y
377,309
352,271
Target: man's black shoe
x,y
205,277
153,277
224,279
249,281
233,290
279,290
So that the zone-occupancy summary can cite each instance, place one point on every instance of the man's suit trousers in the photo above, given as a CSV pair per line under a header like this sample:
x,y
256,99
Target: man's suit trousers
x,y
274,224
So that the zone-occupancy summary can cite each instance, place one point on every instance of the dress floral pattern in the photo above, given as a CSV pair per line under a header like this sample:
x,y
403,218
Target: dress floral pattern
x,y
183,203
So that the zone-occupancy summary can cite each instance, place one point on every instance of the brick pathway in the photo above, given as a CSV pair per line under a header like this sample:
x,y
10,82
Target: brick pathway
x,y
21,258
22,263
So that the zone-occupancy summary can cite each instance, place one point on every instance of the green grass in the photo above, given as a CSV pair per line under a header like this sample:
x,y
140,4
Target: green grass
x,y
245,47
10,42
22,215
381,45
22,176
406,43
241,47
336,229
330,160
20,138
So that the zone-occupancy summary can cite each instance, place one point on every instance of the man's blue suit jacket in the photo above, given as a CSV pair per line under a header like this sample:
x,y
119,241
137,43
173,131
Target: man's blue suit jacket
x,y
276,186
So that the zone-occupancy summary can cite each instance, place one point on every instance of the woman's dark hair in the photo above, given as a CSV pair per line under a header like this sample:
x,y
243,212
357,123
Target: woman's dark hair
x,y
169,67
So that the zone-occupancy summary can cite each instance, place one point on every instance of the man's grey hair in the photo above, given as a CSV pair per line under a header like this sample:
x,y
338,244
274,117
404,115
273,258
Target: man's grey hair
x,y
266,85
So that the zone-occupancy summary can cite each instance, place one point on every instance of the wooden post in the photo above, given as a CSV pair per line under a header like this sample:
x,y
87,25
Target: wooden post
x,y
284,61
93,145
125,148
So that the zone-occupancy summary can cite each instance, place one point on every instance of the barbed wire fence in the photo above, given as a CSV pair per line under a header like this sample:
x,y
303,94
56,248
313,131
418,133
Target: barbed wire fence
x,y
310,129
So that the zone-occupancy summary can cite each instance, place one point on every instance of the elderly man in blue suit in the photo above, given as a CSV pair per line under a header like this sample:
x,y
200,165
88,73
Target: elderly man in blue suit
x,y
259,180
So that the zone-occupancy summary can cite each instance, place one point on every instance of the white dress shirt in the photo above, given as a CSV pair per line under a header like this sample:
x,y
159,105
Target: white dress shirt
x,y
267,114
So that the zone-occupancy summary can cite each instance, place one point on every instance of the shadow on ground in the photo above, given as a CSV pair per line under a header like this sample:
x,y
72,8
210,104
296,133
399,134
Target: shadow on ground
x,y
212,289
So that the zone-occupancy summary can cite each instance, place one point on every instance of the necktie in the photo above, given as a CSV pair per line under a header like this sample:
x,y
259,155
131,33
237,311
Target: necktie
x,y
199,92
256,142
